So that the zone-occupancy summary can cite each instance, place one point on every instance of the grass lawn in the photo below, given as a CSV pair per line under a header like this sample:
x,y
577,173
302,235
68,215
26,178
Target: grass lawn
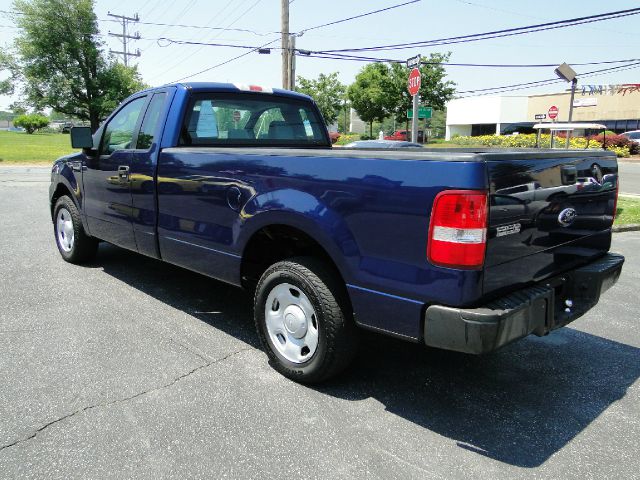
x,y
19,147
628,211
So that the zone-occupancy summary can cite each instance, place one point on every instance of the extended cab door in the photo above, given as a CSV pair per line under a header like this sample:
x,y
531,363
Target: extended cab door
x,y
142,174
106,178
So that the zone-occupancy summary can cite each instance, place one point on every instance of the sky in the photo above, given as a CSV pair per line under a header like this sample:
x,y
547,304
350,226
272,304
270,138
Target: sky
x,y
163,62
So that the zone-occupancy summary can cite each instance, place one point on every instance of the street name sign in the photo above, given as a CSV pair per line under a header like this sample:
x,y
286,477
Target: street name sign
x,y
423,112
413,62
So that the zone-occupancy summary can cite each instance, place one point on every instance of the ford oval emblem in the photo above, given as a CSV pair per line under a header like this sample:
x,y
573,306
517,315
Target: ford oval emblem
x,y
567,217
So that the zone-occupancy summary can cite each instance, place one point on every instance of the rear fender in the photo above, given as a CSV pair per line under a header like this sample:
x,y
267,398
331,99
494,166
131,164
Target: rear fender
x,y
303,211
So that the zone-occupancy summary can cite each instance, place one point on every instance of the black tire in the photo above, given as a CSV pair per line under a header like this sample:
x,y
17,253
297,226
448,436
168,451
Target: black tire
x,y
337,333
84,247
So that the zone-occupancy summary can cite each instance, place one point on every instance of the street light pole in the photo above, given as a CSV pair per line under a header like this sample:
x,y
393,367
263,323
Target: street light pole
x,y
574,83
568,74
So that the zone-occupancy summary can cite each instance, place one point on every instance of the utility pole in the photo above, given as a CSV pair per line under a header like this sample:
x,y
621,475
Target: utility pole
x,y
292,63
124,37
286,52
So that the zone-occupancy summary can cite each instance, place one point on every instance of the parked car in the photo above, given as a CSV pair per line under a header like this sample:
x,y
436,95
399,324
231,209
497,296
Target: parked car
x,y
434,247
66,127
405,135
382,144
633,135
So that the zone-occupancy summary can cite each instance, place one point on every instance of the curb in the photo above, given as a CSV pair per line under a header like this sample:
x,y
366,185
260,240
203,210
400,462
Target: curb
x,y
632,227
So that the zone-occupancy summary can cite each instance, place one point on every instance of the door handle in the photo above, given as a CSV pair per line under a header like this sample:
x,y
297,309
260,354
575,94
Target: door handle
x,y
123,172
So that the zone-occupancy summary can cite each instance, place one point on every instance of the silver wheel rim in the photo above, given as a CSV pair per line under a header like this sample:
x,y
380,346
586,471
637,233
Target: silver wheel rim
x,y
292,323
64,228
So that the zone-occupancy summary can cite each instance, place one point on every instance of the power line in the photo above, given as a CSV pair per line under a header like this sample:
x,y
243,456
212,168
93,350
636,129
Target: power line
x,y
200,27
496,33
358,16
548,81
218,34
335,22
226,61
336,56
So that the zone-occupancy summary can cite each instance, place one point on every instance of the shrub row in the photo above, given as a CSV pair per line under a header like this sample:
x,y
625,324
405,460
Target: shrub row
x,y
529,141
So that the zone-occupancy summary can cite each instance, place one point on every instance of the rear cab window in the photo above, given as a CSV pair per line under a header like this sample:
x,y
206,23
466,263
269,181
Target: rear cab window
x,y
231,119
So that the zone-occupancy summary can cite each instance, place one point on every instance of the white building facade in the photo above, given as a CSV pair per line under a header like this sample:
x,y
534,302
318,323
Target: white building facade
x,y
484,115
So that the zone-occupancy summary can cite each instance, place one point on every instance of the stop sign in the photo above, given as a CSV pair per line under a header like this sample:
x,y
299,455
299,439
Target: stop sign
x,y
414,82
553,112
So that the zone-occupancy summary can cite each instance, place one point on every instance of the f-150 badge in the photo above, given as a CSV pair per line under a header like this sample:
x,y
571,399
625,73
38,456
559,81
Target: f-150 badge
x,y
508,229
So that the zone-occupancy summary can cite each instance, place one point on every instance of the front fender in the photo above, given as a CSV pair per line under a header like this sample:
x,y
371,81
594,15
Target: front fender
x,y
307,213
63,177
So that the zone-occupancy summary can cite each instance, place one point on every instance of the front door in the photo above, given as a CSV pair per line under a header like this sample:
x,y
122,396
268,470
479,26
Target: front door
x,y
106,178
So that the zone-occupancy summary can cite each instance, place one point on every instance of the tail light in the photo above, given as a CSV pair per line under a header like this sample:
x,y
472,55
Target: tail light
x,y
615,202
458,229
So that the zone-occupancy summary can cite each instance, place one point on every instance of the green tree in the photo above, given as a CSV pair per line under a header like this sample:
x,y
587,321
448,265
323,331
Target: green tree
x,y
63,62
371,94
31,122
328,93
435,91
438,123
8,66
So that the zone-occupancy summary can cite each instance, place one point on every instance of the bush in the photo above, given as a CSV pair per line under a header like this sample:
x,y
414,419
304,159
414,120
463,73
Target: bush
x,y
347,138
616,141
31,122
621,149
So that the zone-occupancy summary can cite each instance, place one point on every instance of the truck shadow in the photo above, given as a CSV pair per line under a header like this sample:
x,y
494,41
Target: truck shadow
x,y
518,406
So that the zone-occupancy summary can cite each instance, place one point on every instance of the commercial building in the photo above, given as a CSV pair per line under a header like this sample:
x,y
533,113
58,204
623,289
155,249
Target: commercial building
x,y
616,106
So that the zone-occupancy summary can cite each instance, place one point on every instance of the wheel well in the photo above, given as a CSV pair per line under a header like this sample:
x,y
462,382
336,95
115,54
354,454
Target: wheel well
x,y
61,190
275,243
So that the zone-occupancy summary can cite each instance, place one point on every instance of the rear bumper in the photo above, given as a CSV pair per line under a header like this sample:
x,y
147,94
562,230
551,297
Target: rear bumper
x,y
537,309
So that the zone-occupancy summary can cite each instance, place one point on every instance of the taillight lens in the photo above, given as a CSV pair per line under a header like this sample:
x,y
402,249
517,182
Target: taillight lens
x,y
615,202
458,229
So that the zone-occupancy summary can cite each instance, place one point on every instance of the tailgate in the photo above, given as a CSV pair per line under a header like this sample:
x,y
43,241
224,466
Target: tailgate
x,y
548,213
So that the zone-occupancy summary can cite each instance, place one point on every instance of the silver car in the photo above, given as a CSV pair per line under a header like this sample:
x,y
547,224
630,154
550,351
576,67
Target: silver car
x,y
633,135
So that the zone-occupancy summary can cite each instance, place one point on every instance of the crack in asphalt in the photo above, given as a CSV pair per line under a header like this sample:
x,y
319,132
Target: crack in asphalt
x,y
126,399
190,350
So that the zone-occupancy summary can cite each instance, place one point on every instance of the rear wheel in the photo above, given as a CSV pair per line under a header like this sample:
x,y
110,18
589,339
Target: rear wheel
x,y
304,320
74,244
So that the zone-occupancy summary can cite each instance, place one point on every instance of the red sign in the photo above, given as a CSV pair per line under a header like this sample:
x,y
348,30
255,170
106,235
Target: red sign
x,y
553,112
236,115
414,82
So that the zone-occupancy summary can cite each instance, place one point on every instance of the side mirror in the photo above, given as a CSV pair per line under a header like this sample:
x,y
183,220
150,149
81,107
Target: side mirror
x,y
81,137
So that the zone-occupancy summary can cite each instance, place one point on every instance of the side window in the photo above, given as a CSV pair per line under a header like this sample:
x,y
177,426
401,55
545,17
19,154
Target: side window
x,y
311,127
118,133
150,122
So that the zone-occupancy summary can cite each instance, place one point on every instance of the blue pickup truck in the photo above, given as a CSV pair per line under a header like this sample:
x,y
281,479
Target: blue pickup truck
x,y
466,250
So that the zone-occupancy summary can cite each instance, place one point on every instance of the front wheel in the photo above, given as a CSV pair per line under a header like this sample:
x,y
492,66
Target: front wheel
x,y
304,320
74,244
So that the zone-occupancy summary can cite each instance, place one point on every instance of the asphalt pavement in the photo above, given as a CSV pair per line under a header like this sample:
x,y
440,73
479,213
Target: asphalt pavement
x,y
629,177
131,368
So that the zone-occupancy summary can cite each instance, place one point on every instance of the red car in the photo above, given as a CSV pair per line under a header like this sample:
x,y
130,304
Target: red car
x,y
405,136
